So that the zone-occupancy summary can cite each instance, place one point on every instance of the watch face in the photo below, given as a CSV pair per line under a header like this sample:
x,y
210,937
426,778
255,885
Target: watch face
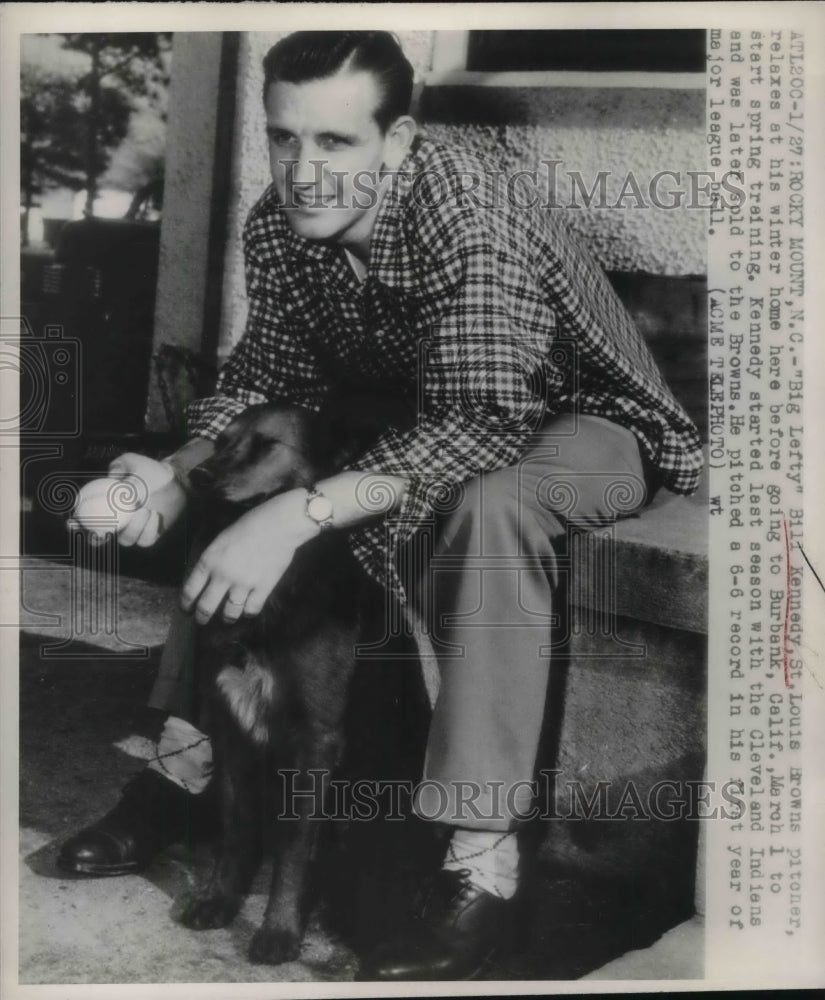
x,y
319,509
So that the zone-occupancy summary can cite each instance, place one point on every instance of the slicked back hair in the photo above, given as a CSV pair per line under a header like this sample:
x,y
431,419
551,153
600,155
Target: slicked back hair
x,y
316,55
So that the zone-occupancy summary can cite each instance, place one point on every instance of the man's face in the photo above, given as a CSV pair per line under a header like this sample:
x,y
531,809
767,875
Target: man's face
x,y
323,144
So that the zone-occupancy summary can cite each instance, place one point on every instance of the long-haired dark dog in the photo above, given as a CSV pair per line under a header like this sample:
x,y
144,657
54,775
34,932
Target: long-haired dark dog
x,y
274,687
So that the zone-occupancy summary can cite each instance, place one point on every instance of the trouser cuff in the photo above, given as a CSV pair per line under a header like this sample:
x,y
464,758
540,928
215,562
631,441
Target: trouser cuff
x,y
490,805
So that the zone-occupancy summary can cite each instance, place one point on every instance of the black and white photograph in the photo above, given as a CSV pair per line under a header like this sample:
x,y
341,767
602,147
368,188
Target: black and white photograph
x,y
405,569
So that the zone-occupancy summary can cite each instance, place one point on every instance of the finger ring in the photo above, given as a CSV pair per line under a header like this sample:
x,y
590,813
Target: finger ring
x,y
238,604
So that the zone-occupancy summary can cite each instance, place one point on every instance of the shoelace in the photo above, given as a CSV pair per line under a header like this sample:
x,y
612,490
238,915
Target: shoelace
x,y
454,858
445,889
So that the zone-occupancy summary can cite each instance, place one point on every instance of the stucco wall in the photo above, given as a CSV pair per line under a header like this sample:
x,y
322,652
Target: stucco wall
x,y
633,130
630,133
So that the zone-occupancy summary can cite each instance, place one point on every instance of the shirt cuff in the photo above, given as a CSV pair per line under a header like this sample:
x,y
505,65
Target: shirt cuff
x,y
208,417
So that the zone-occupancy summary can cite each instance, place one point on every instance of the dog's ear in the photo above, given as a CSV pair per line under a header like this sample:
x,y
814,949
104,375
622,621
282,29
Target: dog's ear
x,y
350,423
328,442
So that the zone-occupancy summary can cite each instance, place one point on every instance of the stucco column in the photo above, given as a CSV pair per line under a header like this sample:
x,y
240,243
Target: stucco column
x,y
193,230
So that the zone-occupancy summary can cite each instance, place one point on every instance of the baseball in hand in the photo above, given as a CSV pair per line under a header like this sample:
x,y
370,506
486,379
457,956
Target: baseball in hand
x,y
106,505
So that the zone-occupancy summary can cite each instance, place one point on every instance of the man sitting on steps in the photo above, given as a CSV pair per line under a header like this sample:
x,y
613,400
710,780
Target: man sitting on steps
x,y
539,404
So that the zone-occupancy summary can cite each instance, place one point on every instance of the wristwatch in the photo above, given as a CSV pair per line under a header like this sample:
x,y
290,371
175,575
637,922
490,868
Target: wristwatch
x,y
319,508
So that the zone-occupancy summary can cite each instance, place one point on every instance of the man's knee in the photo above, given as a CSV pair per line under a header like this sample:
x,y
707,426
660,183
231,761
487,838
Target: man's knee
x,y
475,497
493,515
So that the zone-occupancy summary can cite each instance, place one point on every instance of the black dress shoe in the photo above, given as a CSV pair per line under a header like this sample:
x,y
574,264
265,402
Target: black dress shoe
x,y
152,814
457,931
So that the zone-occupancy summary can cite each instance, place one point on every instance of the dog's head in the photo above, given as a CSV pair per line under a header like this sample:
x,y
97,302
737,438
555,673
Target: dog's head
x,y
263,451
271,448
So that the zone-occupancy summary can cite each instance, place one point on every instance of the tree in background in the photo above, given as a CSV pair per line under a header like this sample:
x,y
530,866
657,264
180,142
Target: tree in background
x,y
79,94
49,123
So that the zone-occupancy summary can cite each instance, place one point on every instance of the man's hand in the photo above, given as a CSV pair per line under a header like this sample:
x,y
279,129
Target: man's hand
x,y
139,500
241,567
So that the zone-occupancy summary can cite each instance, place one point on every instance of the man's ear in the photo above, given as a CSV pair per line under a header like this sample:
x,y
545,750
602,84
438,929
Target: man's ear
x,y
398,140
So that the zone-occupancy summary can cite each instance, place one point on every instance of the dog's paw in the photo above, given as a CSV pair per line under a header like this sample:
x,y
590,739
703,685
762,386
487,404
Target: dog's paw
x,y
207,912
274,945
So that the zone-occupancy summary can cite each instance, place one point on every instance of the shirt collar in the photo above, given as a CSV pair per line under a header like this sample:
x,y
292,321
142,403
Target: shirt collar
x,y
388,262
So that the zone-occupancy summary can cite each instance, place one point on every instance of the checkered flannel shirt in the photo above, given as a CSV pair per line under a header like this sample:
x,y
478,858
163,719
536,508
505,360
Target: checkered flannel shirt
x,y
489,314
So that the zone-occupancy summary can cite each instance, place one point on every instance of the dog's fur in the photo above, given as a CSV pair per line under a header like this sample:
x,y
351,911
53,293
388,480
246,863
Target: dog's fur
x,y
274,686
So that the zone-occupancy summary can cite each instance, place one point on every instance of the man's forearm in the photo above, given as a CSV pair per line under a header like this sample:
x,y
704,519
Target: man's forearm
x,y
358,497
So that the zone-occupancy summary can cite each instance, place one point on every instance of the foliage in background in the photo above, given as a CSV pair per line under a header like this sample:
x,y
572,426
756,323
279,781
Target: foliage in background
x,y
82,95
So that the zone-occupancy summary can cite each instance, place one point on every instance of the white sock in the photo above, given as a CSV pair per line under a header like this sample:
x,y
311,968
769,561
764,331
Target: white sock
x,y
491,858
184,756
